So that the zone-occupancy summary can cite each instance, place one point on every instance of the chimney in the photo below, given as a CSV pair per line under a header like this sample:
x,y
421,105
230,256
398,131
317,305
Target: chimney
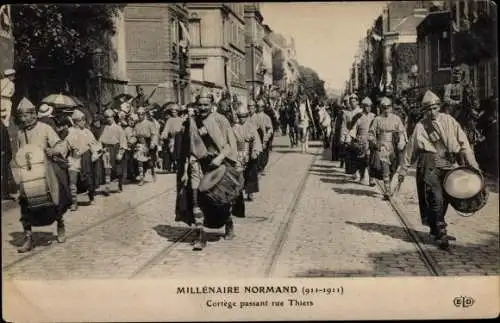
x,y
419,12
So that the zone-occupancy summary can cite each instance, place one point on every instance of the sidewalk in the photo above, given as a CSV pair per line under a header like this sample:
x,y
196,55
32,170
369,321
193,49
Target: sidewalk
x,y
476,250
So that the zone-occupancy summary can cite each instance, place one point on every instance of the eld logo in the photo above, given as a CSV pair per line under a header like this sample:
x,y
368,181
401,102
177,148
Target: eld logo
x,y
463,301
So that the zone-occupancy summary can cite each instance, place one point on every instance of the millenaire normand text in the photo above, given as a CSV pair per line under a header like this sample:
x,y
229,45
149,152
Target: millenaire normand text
x,y
237,290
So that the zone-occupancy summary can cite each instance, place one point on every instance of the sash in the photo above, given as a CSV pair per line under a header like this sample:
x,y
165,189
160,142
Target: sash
x,y
435,136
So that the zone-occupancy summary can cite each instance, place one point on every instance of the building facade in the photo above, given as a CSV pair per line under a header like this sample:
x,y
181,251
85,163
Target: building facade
x,y
254,38
217,48
267,58
156,50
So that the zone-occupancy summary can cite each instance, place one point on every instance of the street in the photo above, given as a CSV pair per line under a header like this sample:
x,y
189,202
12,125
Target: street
x,y
309,220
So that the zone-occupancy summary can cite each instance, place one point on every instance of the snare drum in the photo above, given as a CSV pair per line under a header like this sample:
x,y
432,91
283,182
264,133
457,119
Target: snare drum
x,y
465,189
222,186
36,177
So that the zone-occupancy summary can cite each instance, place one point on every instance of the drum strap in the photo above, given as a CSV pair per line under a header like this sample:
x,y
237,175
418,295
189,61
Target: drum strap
x,y
435,136
205,137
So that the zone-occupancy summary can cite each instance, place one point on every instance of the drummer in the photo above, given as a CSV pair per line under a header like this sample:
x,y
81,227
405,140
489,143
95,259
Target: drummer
x,y
42,135
211,143
434,160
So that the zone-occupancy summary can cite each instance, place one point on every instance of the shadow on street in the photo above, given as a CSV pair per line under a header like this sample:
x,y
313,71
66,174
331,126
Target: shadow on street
x,y
173,234
39,238
357,191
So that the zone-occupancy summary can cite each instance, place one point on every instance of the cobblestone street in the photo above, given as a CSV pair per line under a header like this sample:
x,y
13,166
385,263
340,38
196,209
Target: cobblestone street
x,y
309,220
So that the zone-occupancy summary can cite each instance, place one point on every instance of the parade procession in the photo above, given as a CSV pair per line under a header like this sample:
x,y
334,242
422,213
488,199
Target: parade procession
x,y
188,139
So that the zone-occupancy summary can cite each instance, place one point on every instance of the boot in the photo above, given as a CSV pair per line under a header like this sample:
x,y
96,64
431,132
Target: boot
x,y
61,232
387,190
371,182
120,186
229,230
250,196
91,198
200,241
28,242
141,180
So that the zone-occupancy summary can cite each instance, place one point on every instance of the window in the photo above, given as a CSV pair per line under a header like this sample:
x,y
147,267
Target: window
x,y
195,32
174,31
444,50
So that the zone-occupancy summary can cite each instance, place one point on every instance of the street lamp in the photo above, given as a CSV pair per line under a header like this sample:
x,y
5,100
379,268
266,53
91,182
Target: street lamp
x,y
98,60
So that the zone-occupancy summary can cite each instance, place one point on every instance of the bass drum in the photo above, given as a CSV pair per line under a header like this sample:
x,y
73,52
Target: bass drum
x,y
36,177
466,190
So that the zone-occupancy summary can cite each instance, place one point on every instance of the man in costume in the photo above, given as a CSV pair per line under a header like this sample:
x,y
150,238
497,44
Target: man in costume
x,y
265,128
130,163
387,137
147,139
359,140
114,142
81,142
349,118
208,142
42,135
303,122
249,149
140,100
325,122
171,136
291,119
437,144
463,105
8,89
337,145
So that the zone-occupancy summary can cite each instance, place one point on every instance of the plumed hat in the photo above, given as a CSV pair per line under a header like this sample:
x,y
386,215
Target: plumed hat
x,y
77,115
141,110
430,99
366,101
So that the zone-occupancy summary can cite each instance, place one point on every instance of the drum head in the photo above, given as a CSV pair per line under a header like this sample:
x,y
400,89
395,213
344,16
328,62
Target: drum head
x,y
212,178
463,183
35,153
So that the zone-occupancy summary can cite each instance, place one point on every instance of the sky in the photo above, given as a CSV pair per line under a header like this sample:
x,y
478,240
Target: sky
x,y
326,34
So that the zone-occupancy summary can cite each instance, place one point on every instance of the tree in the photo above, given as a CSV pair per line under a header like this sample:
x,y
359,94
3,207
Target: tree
x,y
278,64
54,44
59,34
312,84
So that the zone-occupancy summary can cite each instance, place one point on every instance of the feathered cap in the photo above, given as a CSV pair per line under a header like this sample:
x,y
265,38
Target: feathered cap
x,y
430,99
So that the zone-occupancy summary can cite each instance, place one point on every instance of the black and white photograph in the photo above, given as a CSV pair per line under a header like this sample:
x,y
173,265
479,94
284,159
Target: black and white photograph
x,y
229,141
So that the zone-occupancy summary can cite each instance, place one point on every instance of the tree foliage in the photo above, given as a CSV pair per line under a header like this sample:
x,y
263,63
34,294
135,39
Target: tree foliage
x,y
311,83
278,64
59,35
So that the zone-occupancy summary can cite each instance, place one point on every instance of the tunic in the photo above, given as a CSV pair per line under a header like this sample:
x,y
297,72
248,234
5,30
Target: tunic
x,y
79,141
8,88
246,135
146,129
264,125
173,127
385,133
347,118
359,133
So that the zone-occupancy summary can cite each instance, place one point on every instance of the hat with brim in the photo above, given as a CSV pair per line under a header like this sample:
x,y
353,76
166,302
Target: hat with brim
x,y
45,110
385,102
366,101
